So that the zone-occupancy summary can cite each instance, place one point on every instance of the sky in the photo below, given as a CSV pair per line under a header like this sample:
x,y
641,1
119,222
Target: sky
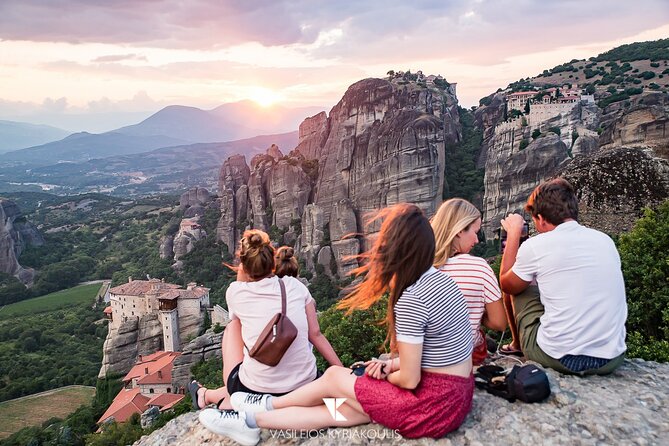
x,y
96,65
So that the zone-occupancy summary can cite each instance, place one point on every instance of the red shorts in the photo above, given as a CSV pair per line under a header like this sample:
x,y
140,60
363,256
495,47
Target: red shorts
x,y
436,407
480,351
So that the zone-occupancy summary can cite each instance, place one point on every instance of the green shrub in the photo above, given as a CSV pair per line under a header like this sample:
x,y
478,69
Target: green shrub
x,y
644,253
536,133
523,144
356,337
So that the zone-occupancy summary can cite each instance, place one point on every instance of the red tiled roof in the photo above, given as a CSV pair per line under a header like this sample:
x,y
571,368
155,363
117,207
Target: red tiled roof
x,y
522,93
141,287
162,376
165,400
193,293
126,403
159,361
107,310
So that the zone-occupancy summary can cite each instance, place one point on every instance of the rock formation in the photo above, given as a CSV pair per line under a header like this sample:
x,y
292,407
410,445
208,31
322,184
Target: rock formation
x,y
614,186
134,337
620,171
382,144
15,234
626,407
199,349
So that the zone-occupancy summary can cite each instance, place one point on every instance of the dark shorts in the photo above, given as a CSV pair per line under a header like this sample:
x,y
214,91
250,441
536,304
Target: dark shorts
x,y
528,311
234,384
436,407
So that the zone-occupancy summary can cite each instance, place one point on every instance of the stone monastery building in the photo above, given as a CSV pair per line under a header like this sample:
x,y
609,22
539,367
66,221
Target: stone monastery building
x,y
173,303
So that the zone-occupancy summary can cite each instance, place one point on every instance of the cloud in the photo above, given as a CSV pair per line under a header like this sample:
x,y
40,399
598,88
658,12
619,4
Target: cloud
x,y
119,58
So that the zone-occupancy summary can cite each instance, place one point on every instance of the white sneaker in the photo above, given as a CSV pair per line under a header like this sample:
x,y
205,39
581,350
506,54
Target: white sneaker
x,y
249,402
230,423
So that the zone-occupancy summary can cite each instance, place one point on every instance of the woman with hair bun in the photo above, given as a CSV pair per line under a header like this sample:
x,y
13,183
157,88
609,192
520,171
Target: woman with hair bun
x,y
253,299
286,263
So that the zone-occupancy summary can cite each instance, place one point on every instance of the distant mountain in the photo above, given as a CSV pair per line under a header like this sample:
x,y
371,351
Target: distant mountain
x,y
227,122
83,146
18,135
163,170
175,125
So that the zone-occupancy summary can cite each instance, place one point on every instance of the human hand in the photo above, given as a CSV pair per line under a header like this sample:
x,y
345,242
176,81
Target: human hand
x,y
513,224
378,369
241,274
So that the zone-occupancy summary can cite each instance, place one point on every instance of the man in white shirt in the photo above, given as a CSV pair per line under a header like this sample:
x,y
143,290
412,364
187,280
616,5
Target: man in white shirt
x,y
573,320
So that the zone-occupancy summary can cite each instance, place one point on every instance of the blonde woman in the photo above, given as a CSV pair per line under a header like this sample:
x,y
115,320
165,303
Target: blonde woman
x,y
456,225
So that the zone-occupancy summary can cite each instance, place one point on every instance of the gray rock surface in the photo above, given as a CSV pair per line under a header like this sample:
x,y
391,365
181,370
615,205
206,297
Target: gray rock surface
x,y
195,196
625,408
166,248
199,349
615,185
136,336
15,234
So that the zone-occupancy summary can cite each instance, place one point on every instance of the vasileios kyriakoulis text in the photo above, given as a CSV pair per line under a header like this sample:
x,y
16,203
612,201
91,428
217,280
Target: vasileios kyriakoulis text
x,y
339,434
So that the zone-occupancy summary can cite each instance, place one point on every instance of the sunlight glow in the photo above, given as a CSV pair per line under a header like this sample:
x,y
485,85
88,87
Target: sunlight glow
x,y
264,97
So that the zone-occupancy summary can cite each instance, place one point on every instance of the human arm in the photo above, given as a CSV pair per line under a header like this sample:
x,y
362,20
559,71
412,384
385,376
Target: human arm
x,y
317,338
509,281
495,317
406,377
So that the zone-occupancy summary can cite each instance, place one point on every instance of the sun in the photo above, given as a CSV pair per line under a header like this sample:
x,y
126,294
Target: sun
x,y
264,97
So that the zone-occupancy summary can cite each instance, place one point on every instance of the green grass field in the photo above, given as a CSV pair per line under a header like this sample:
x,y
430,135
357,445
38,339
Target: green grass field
x,y
33,410
54,301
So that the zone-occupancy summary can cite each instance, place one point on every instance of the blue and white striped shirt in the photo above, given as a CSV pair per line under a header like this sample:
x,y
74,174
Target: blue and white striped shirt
x,y
433,312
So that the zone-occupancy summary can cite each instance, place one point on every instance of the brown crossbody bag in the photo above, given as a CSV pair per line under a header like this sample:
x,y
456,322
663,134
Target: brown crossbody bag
x,y
277,336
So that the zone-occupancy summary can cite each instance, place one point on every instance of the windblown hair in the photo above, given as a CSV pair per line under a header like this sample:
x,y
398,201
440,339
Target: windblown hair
x,y
453,216
256,254
402,252
286,263
555,200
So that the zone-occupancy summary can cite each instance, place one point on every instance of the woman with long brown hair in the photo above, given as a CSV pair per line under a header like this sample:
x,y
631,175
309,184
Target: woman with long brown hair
x,y
425,391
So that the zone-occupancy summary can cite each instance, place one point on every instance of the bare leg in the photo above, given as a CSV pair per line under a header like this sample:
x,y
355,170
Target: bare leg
x,y
336,382
310,417
511,318
232,347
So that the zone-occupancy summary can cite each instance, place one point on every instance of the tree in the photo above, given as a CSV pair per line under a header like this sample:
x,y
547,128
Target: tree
x,y
645,263
536,133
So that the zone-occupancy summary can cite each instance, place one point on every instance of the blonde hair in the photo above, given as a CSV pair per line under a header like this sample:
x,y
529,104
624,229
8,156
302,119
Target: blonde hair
x,y
453,216
256,254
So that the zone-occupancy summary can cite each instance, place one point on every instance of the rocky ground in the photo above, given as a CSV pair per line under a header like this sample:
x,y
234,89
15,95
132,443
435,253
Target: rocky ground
x,y
628,407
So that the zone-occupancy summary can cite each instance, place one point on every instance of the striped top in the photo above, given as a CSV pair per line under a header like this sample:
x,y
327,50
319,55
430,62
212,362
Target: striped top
x,y
433,312
477,283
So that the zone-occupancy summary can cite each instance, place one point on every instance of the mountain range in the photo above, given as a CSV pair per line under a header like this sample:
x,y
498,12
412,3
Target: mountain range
x,y
172,126
15,135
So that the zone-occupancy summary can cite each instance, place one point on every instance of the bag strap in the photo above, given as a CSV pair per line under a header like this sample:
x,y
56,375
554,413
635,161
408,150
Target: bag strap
x,y
283,297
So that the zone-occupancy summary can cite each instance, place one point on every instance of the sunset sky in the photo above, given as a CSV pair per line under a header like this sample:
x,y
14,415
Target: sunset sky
x,y
118,61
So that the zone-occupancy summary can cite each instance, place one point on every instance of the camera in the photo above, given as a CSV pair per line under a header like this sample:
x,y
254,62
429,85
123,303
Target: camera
x,y
500,234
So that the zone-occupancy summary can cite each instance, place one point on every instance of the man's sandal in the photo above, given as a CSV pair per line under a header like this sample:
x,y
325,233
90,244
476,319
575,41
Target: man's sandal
x,y
507,349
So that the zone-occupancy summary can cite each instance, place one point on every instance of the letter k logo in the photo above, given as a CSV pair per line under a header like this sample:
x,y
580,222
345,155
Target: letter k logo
x,y
333,404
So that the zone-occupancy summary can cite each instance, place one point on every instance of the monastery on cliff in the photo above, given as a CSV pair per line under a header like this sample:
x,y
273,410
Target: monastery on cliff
x,y
173,303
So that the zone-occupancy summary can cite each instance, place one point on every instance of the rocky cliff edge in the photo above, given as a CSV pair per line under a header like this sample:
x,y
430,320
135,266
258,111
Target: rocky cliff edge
x,y
627,407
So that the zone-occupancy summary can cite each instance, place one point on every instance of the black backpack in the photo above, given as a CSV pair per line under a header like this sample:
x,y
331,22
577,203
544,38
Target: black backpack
x,y
528,383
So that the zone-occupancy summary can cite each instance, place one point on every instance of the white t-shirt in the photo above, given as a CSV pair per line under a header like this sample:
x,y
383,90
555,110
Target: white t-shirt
x,y
254,304
581,285
478,284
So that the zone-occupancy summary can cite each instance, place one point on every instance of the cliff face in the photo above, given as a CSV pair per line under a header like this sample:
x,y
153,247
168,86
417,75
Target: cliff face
x,y
613,197
15,234
382,144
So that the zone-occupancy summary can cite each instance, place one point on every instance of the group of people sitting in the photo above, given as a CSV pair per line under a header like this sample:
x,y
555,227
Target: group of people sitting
x,y
565,306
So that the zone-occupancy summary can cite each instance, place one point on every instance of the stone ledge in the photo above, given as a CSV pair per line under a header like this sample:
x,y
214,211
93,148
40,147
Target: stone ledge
x,y
628,407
